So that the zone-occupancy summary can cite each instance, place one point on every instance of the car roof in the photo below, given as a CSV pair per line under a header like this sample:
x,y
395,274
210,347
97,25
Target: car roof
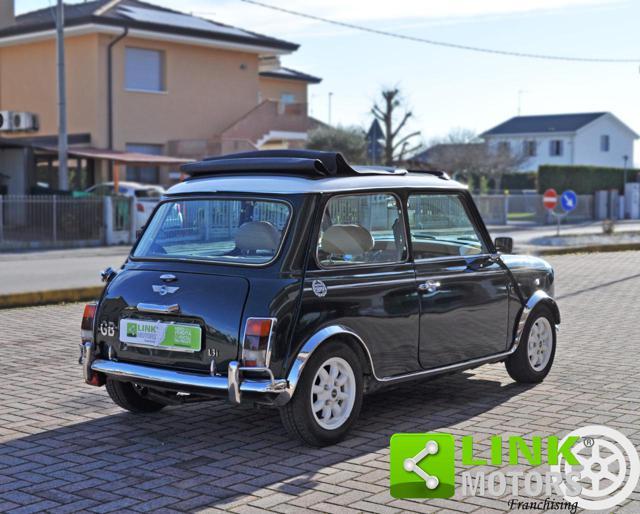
x,y
286,184
299,172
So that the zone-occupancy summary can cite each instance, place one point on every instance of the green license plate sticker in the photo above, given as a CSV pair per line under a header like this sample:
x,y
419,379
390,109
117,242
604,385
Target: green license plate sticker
x,y
170,336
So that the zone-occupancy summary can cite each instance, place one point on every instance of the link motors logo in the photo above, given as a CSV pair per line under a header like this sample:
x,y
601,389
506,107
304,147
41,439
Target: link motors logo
x,y
594,467
608,468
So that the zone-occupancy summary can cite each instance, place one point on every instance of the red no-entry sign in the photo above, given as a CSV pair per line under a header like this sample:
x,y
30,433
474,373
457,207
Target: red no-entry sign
x,y
550,199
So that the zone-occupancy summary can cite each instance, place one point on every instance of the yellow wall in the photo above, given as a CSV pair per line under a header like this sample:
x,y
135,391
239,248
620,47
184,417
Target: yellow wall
x,y
28,83
272,88
207,90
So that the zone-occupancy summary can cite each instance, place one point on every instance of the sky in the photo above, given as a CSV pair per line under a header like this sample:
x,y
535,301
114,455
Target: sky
x,y
448,88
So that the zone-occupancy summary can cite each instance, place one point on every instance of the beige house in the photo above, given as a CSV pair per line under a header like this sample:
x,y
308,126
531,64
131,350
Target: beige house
x,y
140,79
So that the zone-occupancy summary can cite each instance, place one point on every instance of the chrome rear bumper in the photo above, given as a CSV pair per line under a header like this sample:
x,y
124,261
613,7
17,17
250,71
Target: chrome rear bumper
x,y
234,383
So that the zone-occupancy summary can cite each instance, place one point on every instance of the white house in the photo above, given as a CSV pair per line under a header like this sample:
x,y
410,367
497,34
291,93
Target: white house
x,y
593,139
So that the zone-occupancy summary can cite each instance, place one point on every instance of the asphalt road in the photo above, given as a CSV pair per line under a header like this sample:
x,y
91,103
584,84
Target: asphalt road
x,y
65,447
64,269
47,270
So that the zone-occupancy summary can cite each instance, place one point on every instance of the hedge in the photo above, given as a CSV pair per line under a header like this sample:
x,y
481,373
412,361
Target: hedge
x,y
519,181
583,180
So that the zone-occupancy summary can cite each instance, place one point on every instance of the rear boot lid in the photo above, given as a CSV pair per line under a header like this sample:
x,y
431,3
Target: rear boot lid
x,y
173,320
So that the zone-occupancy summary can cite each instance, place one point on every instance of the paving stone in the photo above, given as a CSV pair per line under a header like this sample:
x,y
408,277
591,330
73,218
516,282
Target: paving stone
x,y
65,447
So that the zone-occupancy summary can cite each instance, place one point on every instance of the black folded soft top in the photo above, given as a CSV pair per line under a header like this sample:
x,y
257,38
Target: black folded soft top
x,y
306,163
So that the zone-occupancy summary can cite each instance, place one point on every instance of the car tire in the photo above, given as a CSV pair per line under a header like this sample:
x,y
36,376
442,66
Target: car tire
x,y
533,359
126,395
332,375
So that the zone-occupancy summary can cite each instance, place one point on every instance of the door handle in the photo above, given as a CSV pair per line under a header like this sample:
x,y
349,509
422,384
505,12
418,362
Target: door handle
x,y
430,286
158,309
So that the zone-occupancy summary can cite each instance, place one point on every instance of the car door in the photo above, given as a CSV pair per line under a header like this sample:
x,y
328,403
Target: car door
x,y
361,279
463,291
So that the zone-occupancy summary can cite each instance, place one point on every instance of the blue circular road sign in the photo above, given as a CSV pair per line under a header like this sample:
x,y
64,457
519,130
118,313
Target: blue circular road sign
x,y
569,200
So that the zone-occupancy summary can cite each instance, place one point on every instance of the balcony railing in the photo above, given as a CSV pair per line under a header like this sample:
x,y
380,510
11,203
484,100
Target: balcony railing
x,y
268,116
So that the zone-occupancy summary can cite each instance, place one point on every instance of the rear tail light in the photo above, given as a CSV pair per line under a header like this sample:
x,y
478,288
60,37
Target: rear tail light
x,y
88,318
139,207
256,347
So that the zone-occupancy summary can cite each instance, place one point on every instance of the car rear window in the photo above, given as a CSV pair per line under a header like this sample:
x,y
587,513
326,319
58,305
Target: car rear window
x,y
244,231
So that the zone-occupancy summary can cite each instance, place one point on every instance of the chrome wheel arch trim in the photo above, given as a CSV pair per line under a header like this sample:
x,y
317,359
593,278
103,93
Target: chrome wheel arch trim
x,y
537,298
322,335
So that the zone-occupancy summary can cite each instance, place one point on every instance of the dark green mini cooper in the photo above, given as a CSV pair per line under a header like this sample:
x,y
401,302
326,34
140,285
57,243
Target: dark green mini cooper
x,y
292,279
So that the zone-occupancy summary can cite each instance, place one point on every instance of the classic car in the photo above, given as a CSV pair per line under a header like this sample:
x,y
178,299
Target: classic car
x,y
295,280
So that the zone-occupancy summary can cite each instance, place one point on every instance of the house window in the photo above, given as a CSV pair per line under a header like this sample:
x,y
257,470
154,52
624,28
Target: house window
x,y
605,143
144,174
144,70
504,147
529,148
555,147
287,98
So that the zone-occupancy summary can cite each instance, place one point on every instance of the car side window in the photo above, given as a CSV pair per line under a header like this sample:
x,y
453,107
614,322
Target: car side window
x,y
361,229
440,226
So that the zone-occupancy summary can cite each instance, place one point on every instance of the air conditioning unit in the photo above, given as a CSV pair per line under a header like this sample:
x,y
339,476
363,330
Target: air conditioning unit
x,y
6,121
24,121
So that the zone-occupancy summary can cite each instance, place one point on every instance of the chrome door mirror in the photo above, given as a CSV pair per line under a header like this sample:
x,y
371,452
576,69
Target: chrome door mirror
x,y
504,244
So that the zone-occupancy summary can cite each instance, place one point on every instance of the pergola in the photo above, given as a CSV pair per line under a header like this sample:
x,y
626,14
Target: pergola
x,y
119,158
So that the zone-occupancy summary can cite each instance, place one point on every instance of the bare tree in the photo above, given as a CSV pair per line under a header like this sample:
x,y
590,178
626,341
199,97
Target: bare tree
x,y
393,113
466,156
350,141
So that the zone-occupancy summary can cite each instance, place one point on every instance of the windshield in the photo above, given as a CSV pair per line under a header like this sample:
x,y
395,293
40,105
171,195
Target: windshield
x,y
246,231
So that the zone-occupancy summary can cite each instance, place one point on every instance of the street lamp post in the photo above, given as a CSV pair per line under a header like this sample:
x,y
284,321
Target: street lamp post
x,y
330,96
63,172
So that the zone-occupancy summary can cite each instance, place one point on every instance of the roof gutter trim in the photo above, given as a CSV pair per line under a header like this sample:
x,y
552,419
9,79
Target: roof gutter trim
x,y
107,28
77,30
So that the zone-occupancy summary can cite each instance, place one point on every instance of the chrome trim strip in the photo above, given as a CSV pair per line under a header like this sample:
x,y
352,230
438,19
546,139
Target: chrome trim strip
x,y
157,308
428,260
365,284
451,367
232,384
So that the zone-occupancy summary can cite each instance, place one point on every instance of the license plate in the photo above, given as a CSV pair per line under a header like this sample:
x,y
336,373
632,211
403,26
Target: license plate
x,y
167,336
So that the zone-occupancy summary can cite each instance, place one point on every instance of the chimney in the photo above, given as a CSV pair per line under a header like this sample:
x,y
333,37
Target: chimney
x,y
268,63
7,13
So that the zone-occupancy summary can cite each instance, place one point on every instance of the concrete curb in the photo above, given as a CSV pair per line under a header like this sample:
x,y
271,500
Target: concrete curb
x,y
46,297
620,247
78,294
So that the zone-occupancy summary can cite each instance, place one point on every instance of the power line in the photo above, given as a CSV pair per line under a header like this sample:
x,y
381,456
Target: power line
x,y
440,43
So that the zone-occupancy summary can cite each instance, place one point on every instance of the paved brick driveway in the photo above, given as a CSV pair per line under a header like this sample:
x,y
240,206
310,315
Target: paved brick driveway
x,y
65,447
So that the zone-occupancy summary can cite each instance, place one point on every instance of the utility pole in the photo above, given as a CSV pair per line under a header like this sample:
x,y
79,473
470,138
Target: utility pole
x,y
330,96
63,171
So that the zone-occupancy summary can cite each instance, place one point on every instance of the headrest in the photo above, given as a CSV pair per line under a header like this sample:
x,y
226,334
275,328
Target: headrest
x,y
346,240
257,235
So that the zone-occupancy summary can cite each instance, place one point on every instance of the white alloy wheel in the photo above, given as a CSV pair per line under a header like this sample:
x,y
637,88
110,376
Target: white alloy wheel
x,y
333,393
540,343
